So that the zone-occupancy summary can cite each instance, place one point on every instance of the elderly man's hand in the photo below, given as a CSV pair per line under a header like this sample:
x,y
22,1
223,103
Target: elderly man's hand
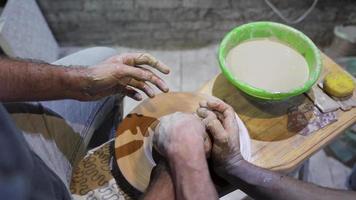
x,y
124,74
220,120
179,137
180,133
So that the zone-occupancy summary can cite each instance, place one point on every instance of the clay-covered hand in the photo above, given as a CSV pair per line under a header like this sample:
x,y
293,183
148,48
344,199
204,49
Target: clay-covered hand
x,y
124,74
220,120
180,133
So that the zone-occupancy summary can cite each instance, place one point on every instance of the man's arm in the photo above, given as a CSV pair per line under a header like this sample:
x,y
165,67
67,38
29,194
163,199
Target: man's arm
x,y
28,81
180,138
161,185
265,184
191,176
257,182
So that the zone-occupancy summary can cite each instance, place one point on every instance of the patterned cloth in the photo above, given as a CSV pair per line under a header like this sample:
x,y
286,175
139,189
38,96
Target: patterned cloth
x,y
92,179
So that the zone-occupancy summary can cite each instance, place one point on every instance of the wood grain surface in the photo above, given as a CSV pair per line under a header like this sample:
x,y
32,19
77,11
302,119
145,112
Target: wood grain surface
x,y
273,146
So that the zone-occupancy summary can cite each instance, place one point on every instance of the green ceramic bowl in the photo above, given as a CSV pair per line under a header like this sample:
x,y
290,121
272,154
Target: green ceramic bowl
x,y
283,33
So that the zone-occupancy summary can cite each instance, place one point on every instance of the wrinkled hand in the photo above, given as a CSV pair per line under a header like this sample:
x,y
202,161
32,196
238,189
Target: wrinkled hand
x,y
220,120
180,133
124,74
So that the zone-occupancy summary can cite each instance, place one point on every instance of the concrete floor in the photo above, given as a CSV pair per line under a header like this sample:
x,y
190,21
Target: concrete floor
x,y
192,68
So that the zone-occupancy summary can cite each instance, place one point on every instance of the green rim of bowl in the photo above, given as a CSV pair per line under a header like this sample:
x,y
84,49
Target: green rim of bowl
x,y
283,33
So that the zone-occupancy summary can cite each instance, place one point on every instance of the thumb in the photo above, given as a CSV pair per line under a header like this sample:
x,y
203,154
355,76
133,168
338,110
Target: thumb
x,y
212,124
216,129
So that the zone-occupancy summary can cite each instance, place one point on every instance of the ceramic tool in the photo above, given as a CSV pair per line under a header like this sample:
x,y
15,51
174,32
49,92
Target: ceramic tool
x,y
348,103
322,100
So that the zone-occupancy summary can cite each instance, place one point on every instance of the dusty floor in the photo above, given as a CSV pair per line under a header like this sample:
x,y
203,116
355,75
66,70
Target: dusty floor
x,y
192,68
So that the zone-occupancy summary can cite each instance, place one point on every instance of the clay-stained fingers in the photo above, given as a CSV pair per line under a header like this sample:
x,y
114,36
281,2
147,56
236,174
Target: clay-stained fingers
x,y
212,124
207,141
141,85
216,130
226,110
146,75
146,59
204,104
128,91
221,107
207,146
164,86
206,113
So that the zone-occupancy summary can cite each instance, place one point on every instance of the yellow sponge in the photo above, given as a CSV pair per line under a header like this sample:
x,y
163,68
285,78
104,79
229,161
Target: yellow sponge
x,y
338,84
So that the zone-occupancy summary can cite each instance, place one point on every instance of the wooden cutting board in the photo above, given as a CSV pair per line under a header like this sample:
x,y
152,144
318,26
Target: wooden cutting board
x,y
133,142
273,145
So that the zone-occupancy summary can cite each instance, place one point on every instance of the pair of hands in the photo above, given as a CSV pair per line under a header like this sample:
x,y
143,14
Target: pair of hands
x,y
123,74
185,134
178,132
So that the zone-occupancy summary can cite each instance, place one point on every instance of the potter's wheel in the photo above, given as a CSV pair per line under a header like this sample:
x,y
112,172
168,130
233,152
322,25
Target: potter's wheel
x,y
133,142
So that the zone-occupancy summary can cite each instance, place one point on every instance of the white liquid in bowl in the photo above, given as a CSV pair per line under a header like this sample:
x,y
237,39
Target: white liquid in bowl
x,y
268,65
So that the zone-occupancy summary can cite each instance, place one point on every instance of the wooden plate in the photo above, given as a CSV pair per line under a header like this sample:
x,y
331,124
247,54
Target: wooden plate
x,y
133,142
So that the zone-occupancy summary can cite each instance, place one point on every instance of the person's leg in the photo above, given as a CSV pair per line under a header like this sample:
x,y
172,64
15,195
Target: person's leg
x,y
59,131
352,179
23,175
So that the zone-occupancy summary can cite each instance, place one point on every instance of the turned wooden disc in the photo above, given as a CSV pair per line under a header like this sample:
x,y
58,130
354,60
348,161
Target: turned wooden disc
x,y
133,142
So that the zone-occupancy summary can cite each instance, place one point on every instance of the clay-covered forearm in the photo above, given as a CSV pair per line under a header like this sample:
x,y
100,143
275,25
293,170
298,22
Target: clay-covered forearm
x,y
31,81
161,184
191,178
264,184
